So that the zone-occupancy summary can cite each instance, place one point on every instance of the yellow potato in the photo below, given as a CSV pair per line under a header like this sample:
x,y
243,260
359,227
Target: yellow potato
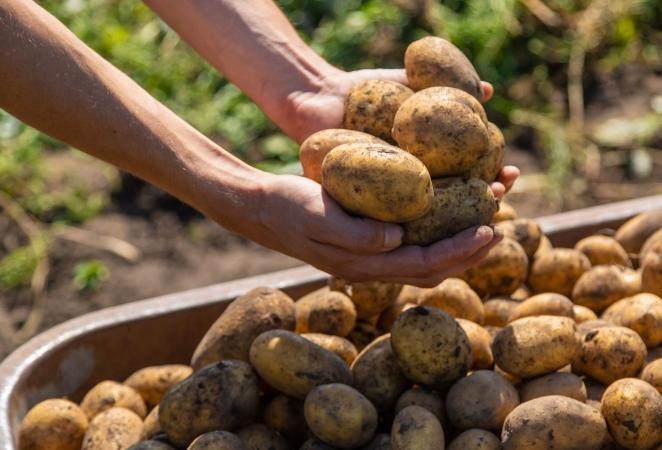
x,y
455,297
555,383
526,232
107,394
370,107
335,344
152,382
259,436
152,444
557,270
407,299
603,285
363,334
651,272
603,250
652,243
489,165
425,398
498,311
547,303
583,314
506,211
151,425
475,439
325,311
111,429
633,233
369,297
285,415
652,374
414,427
642,312
480,341
381,182
218,439
448,147
53,423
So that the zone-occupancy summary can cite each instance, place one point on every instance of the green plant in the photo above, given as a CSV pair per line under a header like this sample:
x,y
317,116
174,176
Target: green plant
x,y
88,275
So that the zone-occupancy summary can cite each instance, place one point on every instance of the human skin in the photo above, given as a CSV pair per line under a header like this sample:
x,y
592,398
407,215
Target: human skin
x,y
52,81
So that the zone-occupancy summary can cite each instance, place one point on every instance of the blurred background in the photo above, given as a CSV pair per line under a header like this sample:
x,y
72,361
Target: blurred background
x,y
578,95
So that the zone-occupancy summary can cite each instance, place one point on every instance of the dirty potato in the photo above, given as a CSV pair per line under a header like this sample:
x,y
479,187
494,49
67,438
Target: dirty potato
x,y
111,429
335,344
152,382
425,398
651,272
652,374
526,232
285,415
489,165
258,436
218,439
498,311
455,297
475,439
602,249
369,297
603,285
506,211
557,270
414,427
642,312
555,383
325,311
547,303
480,341
109,393
53,423
633,233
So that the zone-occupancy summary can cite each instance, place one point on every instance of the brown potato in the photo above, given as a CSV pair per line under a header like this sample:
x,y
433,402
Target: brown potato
x,y
446,147
633,411
603,285
642,312
370,297
455,297
377,375
609,353
457,204
370,107
425,398
259,436
217,440
387,316
555,383
652,243
151,425
340,416
583,314
506,211
107,394
151,444
546,303
111,429
53,423
475,439
221,396
633,233
285,415
315,147
294,365
545,244
363,334
526,232
557,270
380,182
536,345
489,165
501,272
414,427
152,382
498,311
434,61
325,311
335,344
231,335
600,249
652,374
482,399
431,347
651,272
554,422
480,341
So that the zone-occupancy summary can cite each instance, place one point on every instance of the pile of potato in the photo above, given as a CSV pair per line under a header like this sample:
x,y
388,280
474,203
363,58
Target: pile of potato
x,y
421,155
536,347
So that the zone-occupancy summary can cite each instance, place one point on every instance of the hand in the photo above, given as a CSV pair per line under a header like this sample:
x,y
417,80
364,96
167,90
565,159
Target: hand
x,y
299,219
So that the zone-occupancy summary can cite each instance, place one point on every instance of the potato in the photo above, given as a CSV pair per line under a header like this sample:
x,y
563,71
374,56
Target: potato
x,y
480,341
482,399
545,244
498,311
381,182
294,365
642,313
325,311
601,249
230,336
554,422
109,393
592,325
363,334
501,272
335,344
381,441
152,382
151,425
557,270
447,147
457,204
489,165
555,383
651,272
377,375
521,293
425,398
455,297
151,444
652,374
583,314
610,353
633,411
369,297
217,440
547,303
652,243
315,147
434,61
258,436
506,211
111,429
633,233
407,299
340,416
285,415
54,423
414,427
536,345
475,439
221,396
600,286
370,107
430,346
526,232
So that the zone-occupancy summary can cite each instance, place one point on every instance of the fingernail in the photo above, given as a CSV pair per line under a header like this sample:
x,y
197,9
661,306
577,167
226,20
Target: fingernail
x,y
392,237
498,231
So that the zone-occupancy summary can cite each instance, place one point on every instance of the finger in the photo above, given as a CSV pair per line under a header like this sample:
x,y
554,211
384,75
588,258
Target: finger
x,y
507,176
398,75
498,189
488,90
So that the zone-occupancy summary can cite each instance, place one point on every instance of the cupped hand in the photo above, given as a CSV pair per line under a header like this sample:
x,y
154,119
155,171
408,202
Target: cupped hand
x,y
299,219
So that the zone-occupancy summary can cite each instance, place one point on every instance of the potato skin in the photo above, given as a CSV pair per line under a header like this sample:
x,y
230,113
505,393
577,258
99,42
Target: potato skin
x,y
456,297
111,429
642,313
425,398
633,411
457,204
294,365
555,383
53,423
325,311
151,444
414,427
652,374
335,344
315,147
518,346
370,298
430,346
447,147
152,382
285,415
109,393
547,303
651,272
230,336
381,182
480,341
340,416
633,233
603,285
554,422
217,439
557,270
259,436
526,232
434,61
475,439
489,165
603,250
221,396
498,311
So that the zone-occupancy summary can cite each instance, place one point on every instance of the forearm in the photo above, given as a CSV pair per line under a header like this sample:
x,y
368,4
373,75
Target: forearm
x,y
52,81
